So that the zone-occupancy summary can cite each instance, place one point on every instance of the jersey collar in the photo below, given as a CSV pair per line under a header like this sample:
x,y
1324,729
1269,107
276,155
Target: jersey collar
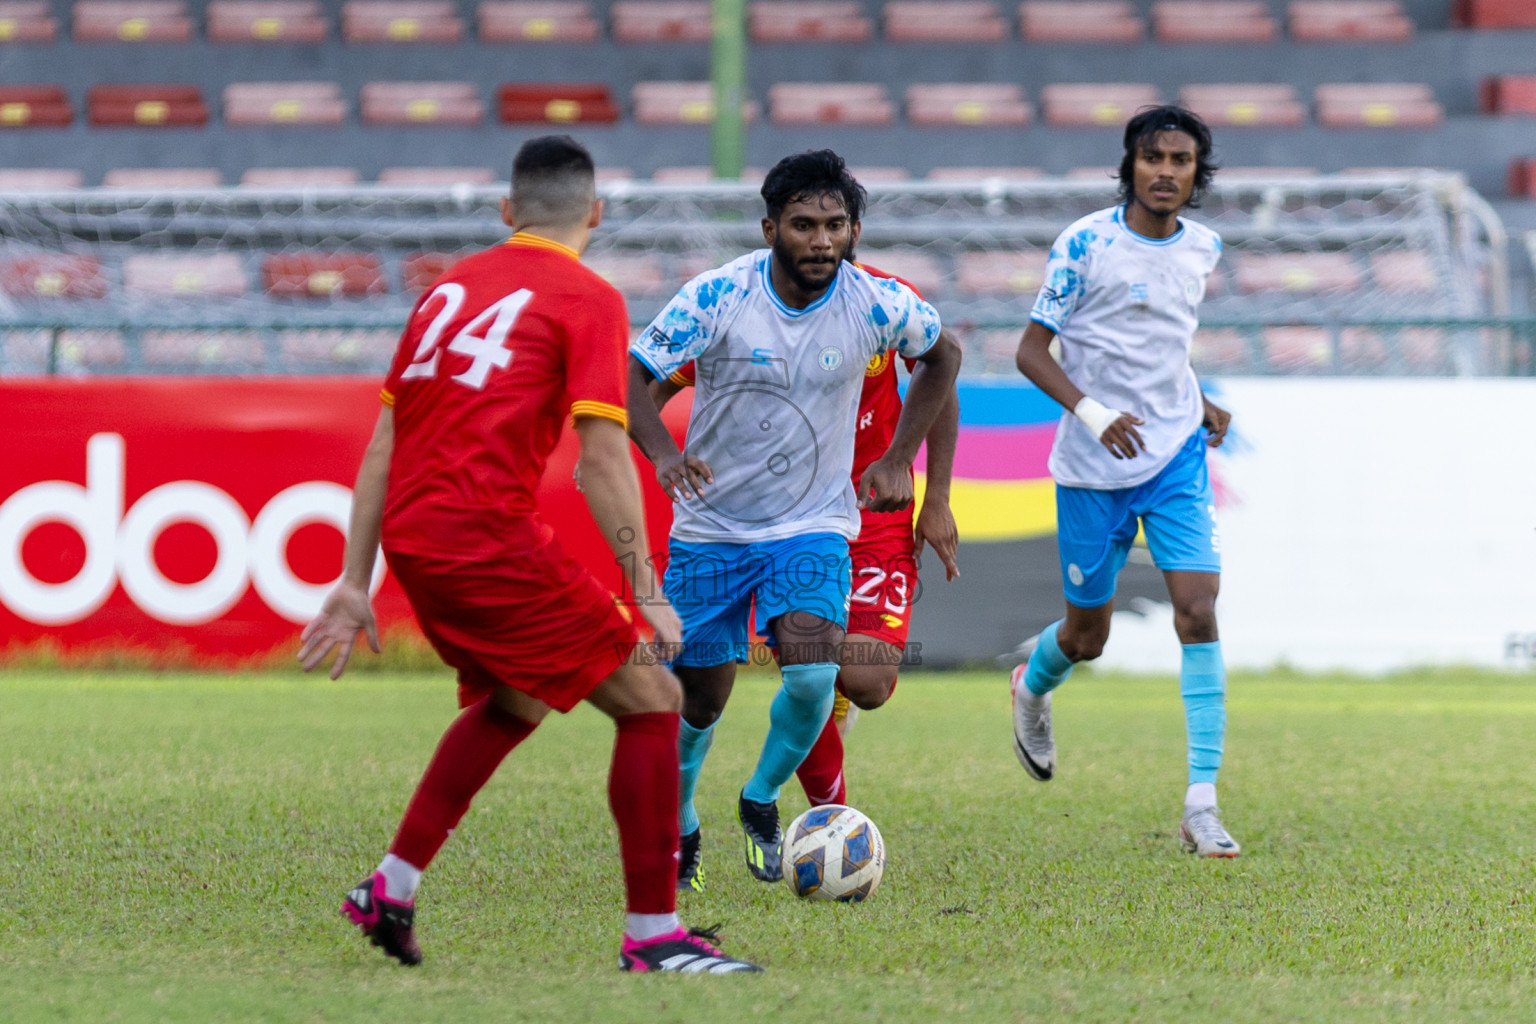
x,y
1120,220
790,311
523,238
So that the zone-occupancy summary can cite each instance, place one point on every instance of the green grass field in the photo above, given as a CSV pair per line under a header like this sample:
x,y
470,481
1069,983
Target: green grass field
x,y
174,847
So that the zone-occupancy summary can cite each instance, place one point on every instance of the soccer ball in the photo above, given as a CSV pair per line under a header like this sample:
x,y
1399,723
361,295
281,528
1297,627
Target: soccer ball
x,y
833,852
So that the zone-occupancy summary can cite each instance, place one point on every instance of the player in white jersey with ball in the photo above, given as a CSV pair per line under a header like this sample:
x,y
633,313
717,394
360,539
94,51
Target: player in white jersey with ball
x,y
1122,292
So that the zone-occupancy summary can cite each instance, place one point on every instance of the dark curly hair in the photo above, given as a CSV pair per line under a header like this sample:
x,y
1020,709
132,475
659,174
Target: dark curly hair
x,y
810,175
1147,124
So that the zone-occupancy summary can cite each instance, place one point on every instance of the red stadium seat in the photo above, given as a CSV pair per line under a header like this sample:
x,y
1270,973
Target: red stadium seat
x,y
420,269
401,21
1080,21
679,103
145,106
299,177
34,106
276,103
944,21
1274,105
421,103
39,179
1213,21
337,346
830,103
635,274
184,274
537,21
1096,103
1377,105
1522,176
1298,349
1507,94
985,173
807,21
235,350
1219,348
433,177
323,275
132,21
1404,270
1328,21
919,269
1015,273
27,21
980,104
267,21
53,276
661,21
162,177
1494,13
1297,272
556,103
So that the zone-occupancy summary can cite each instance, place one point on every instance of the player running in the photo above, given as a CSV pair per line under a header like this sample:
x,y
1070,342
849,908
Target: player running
x,y
1122,291
765,502
496,355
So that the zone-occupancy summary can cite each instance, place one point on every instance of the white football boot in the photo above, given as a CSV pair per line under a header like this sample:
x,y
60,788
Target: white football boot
x,y
1033,742
1201,833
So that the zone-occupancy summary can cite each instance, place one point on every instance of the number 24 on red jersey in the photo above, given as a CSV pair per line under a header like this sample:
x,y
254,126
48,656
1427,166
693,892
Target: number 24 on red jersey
x,y
483,339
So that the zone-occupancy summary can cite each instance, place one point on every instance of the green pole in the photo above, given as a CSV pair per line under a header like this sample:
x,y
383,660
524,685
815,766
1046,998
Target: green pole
x,y
728,67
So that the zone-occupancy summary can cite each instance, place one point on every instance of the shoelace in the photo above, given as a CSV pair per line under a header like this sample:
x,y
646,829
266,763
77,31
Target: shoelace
x,y
1206,825
705,937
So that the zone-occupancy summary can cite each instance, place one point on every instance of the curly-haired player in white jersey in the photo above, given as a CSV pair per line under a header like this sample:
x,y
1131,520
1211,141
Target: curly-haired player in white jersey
x,y
1122,292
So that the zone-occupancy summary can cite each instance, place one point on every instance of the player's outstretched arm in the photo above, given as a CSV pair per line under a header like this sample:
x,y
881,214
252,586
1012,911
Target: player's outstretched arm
x,y
681,477
347,609
612,490
935,522
1115,430
886,485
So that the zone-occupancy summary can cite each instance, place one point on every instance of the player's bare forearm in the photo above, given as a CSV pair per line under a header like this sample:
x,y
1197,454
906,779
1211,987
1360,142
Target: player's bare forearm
x,y
662,391
368,502
1034,361
942,438
612,489
645,426
933,385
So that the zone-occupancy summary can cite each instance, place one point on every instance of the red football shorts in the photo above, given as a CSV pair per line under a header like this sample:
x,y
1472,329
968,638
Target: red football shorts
x,y
535,620
884,577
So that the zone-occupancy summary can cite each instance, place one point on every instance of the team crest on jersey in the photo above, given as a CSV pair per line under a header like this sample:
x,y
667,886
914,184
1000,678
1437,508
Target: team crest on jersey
x,y
1192,289
830,358
878,364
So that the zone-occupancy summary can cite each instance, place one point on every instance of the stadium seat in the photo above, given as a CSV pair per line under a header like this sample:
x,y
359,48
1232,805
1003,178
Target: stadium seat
x,y
1329,21
555,103
91,349
877,175
437,176
1213,21
610,173
299,177
267,21
1219,348
39,179
337,346
277,103
807,21
1377,105
1404,270
206,349
185,274
162,177
420,269
661,21
635,274
1297,349
1296,272
1095,104
920,269
421,103
1080,21
679,103
804,103
1272,105
145,106
985,173
979,104
132,21
1522,176
944,21
1016,273
323,275
34,106
1494,13
401,21
27,21
53,276
537,21
1507,94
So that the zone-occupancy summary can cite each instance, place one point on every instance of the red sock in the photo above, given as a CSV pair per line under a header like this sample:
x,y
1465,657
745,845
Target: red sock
x,y
821,773
470,751
642,791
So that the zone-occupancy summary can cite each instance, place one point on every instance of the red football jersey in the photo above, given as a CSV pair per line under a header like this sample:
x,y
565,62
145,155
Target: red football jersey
x,y
497,353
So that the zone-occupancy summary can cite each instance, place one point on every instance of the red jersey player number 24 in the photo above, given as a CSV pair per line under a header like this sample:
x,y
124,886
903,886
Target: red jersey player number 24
x,y
483,339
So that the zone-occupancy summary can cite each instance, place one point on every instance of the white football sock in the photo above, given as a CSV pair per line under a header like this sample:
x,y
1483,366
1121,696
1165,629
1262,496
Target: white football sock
x,y
400,878
641,927
1200,794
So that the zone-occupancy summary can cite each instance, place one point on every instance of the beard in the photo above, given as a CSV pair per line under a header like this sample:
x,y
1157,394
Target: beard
x,y
796,275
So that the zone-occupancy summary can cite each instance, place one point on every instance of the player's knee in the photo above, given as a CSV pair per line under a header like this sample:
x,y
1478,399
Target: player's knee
x,y
810,682
1194,619
868,686
1082,646
665,690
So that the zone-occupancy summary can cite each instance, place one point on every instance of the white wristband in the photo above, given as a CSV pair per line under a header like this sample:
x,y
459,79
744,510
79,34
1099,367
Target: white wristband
x,y
1095,415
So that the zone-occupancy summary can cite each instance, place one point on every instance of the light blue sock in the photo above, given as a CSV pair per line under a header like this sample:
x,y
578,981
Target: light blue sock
x,y
1048,667
692,747
795,719
1203,682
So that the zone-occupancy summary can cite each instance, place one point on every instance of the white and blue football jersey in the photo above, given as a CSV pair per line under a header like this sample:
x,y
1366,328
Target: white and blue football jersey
x,y
1125,308
776,400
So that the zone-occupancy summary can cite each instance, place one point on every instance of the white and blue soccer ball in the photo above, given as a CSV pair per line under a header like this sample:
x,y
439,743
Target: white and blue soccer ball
x,y
833,852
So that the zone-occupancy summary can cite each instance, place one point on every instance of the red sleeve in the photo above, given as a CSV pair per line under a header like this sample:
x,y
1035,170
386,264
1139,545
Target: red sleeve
x,y
876,272
685,376
595,356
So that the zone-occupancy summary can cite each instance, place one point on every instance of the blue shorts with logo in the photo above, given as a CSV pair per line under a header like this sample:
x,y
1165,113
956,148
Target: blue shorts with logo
x,y
714,588
1176,508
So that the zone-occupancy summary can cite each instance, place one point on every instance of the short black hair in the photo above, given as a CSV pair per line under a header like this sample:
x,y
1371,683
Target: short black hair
x,y
552,181
810,175
1148,123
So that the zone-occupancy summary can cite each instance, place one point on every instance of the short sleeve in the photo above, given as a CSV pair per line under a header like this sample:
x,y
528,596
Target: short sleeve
x,y
686,327
1066,276
685,376
594,366
905,322
405,353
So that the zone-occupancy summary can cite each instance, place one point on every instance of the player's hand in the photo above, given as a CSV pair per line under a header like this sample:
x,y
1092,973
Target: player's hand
x,y
1215,422
886,485
684,476
1122,438
666,625
936,526
346,611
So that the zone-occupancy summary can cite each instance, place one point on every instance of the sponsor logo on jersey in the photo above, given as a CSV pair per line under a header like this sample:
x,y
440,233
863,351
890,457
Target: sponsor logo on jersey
x,y
878,364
